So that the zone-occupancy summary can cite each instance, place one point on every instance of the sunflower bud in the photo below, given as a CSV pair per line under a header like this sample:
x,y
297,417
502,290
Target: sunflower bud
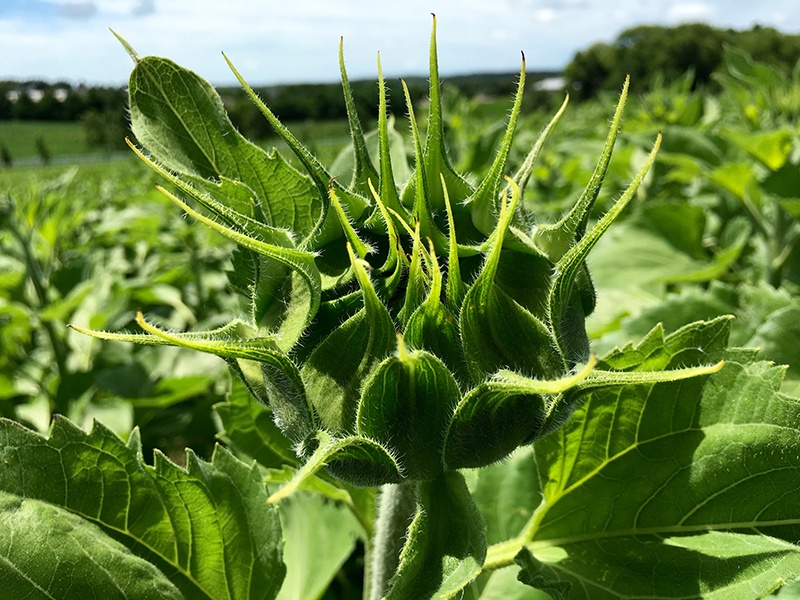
x,y
398,330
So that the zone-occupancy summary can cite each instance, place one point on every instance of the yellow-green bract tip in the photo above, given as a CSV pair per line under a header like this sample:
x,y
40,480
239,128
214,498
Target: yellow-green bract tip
x,y
128,48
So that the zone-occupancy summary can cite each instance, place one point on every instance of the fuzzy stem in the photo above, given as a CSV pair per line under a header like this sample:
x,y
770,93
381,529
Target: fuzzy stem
x,y
396,506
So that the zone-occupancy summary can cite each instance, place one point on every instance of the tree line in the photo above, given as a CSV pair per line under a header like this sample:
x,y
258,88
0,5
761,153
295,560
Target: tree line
x,y
649,51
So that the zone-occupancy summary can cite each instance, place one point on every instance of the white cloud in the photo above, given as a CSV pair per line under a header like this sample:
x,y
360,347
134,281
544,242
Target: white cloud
x,y
545,15
690,12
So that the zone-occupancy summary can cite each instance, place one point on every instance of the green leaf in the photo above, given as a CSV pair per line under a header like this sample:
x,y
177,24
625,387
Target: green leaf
x,y
770,148
446,542
765,318
406,405
632,267
230,200
738,179
714,565
208,526
48,552
320,536
184,125
687,474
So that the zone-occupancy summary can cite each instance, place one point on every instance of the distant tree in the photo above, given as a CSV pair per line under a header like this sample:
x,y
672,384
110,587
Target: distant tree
x,y
6,105
590,69
105,129
24,106
651,52
48,107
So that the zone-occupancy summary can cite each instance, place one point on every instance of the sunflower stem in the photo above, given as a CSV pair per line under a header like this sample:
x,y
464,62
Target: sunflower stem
x,y
396,505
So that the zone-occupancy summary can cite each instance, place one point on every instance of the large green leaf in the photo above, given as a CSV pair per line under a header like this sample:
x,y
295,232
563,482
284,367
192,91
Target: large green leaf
x,y
766,318
48,552
506,493
771,148
504,585
662,246
676,489
320,536
714,565
207,527
184,125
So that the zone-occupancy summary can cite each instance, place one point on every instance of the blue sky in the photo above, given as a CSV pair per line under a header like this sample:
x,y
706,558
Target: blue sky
x,y
297,40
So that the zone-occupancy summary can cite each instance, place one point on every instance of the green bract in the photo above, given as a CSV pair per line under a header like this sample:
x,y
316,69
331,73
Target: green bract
x,y
398,330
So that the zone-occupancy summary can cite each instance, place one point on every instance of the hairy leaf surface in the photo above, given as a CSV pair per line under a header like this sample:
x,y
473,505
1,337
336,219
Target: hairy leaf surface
x,y
48,552
180,119
693,475
208,526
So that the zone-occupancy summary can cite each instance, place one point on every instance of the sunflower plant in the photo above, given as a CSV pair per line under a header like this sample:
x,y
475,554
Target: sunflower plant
x,y
415,351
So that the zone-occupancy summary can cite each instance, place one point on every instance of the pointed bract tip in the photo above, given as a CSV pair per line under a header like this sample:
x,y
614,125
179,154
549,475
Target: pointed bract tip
x,y
402,352
128,48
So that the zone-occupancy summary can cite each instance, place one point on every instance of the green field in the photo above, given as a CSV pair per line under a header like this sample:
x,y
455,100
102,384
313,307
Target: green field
x,y
61,139
66,142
